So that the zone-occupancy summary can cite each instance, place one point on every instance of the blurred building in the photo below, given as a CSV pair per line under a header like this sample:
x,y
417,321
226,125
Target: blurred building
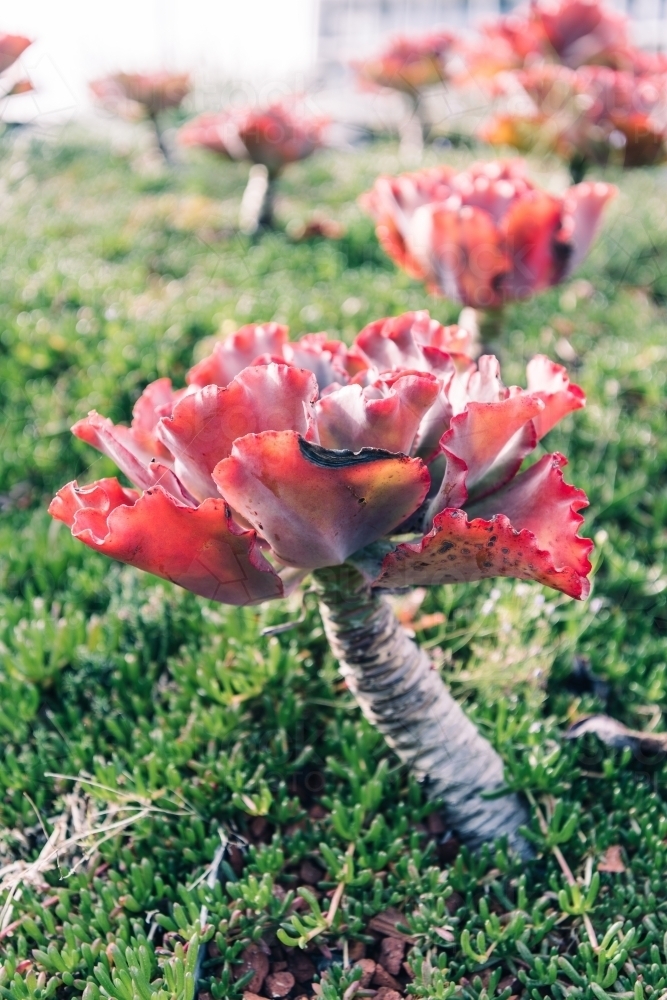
x,y
352,29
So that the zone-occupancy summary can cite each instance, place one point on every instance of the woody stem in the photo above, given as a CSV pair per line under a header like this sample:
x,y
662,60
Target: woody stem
x,y
405,698
256,210
164,149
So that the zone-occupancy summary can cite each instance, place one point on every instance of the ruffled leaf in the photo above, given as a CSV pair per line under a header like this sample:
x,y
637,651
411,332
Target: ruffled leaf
x,y
401,342
319,354
534,538
560,396
205,424
315,506
156,401
462,253
384,415
583,207
538,260
540,501
239,350
485,446
200,549
120,444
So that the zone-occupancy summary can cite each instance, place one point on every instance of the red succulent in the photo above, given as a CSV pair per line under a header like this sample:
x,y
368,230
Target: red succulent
x,y
409,64
570,32
11,47
273,136
486,235
125,93
281,456
593,114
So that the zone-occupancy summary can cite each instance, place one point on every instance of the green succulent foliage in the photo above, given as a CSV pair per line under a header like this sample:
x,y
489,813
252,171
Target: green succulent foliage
x,y
186,718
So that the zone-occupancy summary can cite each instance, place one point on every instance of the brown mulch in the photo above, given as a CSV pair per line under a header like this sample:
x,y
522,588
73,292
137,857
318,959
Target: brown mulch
x,y
291,973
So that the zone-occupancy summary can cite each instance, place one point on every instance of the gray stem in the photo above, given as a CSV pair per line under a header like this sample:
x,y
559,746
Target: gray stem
x,y
164,149
412,129
404,697
256,210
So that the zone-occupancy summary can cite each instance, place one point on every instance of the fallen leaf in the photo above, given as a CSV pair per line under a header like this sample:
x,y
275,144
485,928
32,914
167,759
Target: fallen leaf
x,y
367,965
253,958
279,984
391,954
301,967
615,734
310,873
383,978
612,860
386,923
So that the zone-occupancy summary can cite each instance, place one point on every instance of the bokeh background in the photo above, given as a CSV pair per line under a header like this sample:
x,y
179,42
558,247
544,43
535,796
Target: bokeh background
x,y
267,47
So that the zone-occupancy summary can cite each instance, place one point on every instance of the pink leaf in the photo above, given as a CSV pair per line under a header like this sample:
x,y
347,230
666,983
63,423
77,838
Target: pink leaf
x,y
120,444
314,506
462,252
530,229
200,549
583,207
534,538
485,446
11,47
239,350
205,423
385,415
404,342
540,501
319,354
551,383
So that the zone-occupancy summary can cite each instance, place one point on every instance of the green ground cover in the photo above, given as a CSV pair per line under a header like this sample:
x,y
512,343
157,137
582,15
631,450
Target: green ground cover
x,y
139,725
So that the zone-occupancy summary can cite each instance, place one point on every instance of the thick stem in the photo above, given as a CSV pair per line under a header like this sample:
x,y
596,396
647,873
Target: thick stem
x,y
256,210
578,168
404,697
490,324
164,149
412,130
486,325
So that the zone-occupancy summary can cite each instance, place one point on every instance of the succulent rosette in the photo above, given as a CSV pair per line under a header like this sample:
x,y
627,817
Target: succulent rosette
x,y
486,235
282,457
270,138
11,48
143,96
589,115
409,64
274,136
569,32
136,93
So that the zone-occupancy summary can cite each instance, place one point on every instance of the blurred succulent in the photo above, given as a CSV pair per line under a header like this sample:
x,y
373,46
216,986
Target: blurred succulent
x,y
11,47
270,138
410,65
592,115
138,95
487,235
570,32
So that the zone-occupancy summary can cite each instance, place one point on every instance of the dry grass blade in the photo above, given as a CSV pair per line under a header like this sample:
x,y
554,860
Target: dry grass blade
x,y
77,835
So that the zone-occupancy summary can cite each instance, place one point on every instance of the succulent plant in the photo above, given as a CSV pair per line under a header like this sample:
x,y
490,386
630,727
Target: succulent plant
x,y
391,463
